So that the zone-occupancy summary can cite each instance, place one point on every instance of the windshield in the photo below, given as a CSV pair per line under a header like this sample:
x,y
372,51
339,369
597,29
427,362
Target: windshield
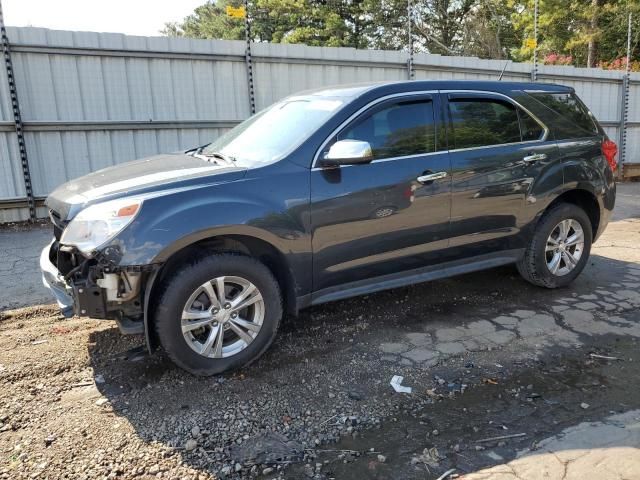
x,y
276,131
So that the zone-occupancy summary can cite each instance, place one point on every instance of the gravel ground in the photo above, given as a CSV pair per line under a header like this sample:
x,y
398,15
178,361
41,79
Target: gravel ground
x,y
486,355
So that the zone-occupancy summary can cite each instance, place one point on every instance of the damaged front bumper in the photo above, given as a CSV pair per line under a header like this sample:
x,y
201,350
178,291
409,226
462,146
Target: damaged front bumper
x,y
95,287
74,296
55,282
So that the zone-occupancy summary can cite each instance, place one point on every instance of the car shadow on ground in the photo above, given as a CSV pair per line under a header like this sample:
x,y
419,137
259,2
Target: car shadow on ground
x,y
315,363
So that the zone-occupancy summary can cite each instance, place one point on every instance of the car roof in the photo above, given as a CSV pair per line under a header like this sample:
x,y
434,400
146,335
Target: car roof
x,y
351,91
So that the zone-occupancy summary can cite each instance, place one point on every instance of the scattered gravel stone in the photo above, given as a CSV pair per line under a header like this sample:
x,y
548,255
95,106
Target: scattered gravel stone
x,y
355,395
267,448
308,470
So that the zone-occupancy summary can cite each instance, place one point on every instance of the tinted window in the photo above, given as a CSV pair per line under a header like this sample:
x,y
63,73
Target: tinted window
x,y
531,130
575,119
400,129
482,122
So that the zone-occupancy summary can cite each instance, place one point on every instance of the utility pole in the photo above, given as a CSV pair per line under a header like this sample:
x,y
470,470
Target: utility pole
x,y
247,58
625,100
410,69
534,72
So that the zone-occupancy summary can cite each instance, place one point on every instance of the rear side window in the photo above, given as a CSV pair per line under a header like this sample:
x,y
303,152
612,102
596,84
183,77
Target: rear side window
x,y
400,129
531,130
482,122
575,119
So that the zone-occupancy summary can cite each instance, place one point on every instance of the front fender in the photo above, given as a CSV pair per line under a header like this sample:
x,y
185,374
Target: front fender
x,y
169,223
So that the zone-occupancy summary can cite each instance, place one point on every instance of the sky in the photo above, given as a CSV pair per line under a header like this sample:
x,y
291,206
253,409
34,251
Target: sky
x,y
133,17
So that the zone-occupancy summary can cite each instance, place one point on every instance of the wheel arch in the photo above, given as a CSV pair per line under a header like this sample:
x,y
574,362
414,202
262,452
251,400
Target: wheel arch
x,y
242,244
584,199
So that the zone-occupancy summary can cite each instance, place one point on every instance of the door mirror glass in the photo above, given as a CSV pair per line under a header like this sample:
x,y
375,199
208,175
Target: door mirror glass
x,y
348,152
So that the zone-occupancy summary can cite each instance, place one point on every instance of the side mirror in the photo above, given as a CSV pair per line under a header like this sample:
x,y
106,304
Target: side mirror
x,y
348,152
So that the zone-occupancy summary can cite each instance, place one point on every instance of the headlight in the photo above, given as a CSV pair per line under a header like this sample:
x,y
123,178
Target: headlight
x,y
96,225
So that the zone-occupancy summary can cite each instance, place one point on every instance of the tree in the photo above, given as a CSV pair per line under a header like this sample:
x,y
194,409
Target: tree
x,y
209,21
439,24
588,32
338,23
613,37
581,32
488,31
350,23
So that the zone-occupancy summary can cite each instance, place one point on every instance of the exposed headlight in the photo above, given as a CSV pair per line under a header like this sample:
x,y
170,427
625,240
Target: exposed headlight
x,y
96,225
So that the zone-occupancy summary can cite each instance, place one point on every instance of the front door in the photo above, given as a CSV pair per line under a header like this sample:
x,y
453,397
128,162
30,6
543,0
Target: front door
x,y
389,215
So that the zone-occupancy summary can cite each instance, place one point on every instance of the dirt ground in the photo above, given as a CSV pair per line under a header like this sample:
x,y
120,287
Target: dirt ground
x,y
487,355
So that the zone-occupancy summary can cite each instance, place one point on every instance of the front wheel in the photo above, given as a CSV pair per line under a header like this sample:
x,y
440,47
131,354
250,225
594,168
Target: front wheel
x,y
559,248
219,313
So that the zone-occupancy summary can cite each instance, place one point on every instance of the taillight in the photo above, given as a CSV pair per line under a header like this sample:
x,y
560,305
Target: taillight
x,y
609,150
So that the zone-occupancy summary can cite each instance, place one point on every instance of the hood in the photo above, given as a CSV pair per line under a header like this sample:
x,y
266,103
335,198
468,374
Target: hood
x,y
152,174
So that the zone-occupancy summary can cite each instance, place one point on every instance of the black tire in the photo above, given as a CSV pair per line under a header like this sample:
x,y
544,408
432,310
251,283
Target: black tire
x,y
533,265
177,288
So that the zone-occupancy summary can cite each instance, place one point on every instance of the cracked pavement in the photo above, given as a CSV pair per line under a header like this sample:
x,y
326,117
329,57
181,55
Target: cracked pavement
x,y
563,323
20,283
605,450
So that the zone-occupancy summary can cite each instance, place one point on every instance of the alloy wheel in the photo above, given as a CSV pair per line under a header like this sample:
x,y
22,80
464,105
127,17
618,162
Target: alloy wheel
x,y
222,317
564,247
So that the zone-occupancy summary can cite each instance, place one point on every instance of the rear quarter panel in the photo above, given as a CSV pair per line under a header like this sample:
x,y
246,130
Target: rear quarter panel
x,y
582,165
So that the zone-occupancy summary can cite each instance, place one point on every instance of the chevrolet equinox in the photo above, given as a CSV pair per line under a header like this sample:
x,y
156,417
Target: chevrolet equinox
x,y
325,195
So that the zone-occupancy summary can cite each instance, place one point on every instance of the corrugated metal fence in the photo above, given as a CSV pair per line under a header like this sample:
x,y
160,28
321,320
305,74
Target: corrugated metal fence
x,y
90,100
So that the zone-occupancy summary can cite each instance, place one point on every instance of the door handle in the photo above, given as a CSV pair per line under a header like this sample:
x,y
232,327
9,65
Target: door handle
x,y
431,177
534,157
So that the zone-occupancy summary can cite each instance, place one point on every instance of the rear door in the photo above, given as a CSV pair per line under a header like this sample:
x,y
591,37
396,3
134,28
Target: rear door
x,y
497,152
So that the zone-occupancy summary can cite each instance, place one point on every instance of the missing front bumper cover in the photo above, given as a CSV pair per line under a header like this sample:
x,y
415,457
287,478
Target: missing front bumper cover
x,y
77,298
52,279
94,288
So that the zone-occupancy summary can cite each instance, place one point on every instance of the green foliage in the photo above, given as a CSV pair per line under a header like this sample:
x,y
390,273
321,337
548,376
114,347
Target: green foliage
x,y
569,28
209,21
580,32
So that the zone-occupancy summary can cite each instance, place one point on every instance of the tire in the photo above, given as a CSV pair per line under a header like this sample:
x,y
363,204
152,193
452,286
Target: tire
x,y
172,313
534,264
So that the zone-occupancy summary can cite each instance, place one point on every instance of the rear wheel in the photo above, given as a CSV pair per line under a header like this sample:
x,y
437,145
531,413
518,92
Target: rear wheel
x,y
559,249
218,314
